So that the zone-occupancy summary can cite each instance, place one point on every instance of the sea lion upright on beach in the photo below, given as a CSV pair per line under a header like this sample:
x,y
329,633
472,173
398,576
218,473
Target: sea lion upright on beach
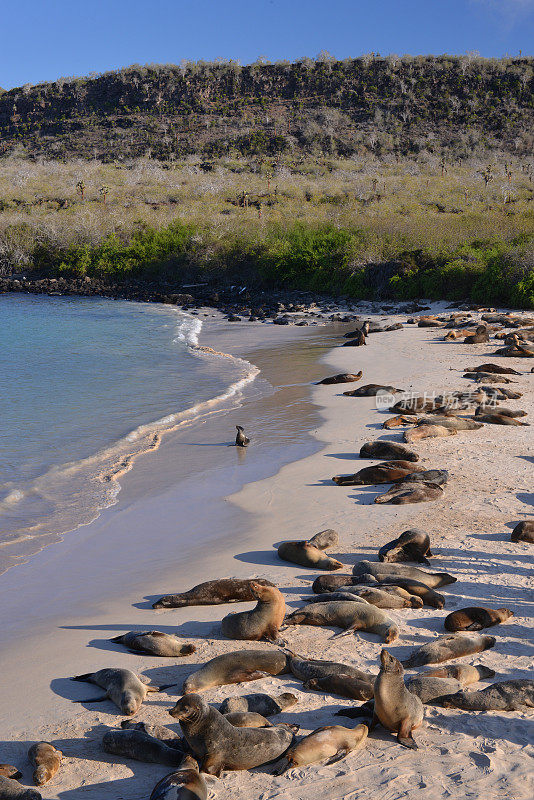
x,y
155,643
220,745
241,440
263,622
396,708
46,761
306,555
185,784
475,618
330,743
237,667
11,789
123,687
445,648
212,593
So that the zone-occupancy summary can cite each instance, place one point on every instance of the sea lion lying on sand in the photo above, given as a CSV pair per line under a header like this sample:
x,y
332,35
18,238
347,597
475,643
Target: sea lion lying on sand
x,y
523,532
8,771
445,648
46,761
12,790
161,732
371,390
123,687
399,420
480,335
499,411
387,450
495,368
332,742
428,596
501,419
184,784
237,667
384,570
349,615
428,688
259,703
305,669
410,492
387,472
395,707
515,695
211,593
263,622
155,643
247,719
425,431
411,545
476,618
343,377
306,555
376,597
343,685
140,746
454,423
464,673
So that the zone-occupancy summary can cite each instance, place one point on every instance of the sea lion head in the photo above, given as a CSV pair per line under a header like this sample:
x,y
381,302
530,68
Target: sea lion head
x,y
391,664
129,703
485,672
41,775
190,708
261,592
505,613
239,428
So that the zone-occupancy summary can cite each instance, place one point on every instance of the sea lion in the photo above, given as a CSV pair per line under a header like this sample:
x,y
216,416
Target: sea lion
x,y
141,746
46,759
431,579
237,667
8,771
411,545
365,327
480,335
437,476
123,687
427,688
247,719
330,743
358,336
325,539
212,593
343,685
387,472
263,622
445,648
349,615
343,377
161,732
306,555
12,790
184,784
412,587
306,669
464,673
330,583
371,390
427,432
495,368
376,597
155,643
486,377
221,746
499,411
523,532
399,420
396,708
387,450
454,423
500,419
515,695
475,618
241,440
410,492
259,703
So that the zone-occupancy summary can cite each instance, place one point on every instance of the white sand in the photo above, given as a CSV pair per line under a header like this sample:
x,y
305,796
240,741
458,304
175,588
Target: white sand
x,y
461,754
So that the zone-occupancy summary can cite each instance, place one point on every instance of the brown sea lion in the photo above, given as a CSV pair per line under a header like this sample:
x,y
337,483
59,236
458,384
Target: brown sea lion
x,y
399,420
523,532
428,596
263,622
475,618
330,743
161,732
501,419
212,593
184,784
431,579
499,411
123,687
221,746
7,771
349,615
445,648
247,719
427,432
464,673
12,790
306,555
237,667
343,377
371,390
410,492
376,597
46,760
241,440
427,688
387,450
343,685
330,583
495,368
411,545
324,539
141,746
454,423
395,707
155,643
259,703
305,669
387,472
480,335
514,695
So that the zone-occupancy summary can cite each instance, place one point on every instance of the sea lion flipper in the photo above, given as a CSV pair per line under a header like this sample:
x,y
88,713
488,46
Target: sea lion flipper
x,y
212,765
404,735
248,675
475,626
284,766
337,756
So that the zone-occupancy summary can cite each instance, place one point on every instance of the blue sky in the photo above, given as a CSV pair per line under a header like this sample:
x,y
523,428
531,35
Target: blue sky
x,y
46,39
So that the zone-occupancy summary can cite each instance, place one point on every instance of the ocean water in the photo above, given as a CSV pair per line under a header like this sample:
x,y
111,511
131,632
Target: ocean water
x,y
86,386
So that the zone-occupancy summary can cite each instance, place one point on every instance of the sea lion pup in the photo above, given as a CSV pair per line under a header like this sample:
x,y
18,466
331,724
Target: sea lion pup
x,y
184,784
411,545
410,492
427,688
480,335
247,719
376,597
161,732
259,703
46,760
358,336
123,687
331,743
431,579
343,377
221,746
396,708
515,695
475,618
306,555
400,419
350,615
495,368
428,596
464,673
241,440
263,622
445,648
212,593
237,667
10,772
12,790
371,390
325,539
343,685
439,476
155,643
454,423
306,669
523,532
425,431
140,746
387,450
387,472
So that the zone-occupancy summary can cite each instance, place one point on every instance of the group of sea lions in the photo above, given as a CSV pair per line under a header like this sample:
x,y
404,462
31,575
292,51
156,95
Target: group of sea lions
x,y
239,734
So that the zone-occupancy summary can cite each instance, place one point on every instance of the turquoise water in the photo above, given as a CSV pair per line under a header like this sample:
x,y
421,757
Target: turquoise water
x,y
86,386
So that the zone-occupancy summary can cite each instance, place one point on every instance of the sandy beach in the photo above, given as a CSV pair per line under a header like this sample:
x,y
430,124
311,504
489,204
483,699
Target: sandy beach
x,y
62,607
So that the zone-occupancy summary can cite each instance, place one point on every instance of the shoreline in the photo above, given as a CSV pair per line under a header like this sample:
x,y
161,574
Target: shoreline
x,y
470,529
